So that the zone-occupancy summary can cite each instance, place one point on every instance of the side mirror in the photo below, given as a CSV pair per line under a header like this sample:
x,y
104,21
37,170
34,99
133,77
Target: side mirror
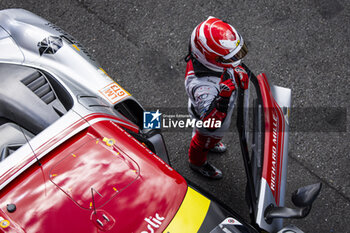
x,y
301,198
305,196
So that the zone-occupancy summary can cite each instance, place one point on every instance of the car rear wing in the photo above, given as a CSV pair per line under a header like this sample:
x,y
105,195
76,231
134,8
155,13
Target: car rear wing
x,y
263,126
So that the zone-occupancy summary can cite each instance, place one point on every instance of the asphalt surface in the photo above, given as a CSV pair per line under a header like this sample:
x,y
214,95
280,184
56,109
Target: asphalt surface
x,y
303,45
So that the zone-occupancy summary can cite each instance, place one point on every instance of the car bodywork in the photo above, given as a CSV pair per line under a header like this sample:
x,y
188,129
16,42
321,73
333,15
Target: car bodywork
x,y
74,155
75,158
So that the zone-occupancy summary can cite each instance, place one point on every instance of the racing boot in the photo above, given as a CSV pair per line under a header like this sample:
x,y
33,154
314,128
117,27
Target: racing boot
x,y
219,148
207,170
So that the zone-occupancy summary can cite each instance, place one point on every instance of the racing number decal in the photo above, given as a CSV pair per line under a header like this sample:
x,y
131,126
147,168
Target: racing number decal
x,y
114,93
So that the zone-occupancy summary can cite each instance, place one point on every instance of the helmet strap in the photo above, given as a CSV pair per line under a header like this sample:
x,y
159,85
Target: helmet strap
x,y
189,54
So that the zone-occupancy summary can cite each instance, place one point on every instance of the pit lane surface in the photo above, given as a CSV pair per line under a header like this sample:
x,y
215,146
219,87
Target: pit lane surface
x,y
303,45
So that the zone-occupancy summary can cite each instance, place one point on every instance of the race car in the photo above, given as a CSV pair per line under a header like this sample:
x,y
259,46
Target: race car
x,y
76,158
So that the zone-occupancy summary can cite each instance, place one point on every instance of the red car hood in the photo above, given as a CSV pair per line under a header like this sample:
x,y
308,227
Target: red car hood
x,y
100,179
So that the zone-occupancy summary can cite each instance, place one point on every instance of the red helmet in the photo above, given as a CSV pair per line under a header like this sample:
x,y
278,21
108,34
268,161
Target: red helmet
x,y
217,44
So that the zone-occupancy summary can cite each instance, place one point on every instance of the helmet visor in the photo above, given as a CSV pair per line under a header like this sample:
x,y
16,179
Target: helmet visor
x,y
238,56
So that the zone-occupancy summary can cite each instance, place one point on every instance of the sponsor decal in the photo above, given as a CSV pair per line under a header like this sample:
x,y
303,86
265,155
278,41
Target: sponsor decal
x,y
153,223
50,45
114,93
70,39
274,140
229,225
274,153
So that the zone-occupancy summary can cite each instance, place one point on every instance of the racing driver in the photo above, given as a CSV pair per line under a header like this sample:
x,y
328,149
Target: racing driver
x,y
212,74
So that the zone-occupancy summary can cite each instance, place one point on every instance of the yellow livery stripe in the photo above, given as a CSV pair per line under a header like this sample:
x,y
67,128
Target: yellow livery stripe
x,y
76,47
191,214
104,71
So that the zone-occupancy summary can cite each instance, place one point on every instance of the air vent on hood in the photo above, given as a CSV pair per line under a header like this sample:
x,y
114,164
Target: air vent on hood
x,y
38,83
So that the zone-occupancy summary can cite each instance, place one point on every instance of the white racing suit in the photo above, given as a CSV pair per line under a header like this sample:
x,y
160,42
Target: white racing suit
x,y
202,87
